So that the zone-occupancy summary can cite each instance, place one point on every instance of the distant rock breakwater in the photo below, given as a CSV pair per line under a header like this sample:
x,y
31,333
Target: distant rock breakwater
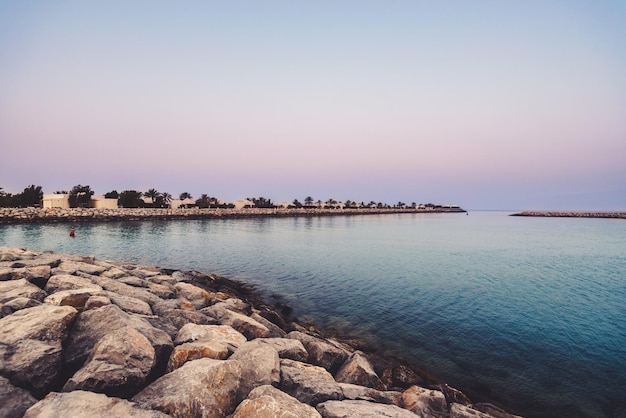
x,y
25,215
84,337
557,214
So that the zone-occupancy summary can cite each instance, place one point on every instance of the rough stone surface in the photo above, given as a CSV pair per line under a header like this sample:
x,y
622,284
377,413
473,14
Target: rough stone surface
x,y
358,370
462,411
308,383
356,392
425,402
321,353
118,366
76,298
82,404
200,388
31,345
14,401
286,347
221,333
259,366
60,282
130,304
20,288
269,402
196,350
362,409
247,326
198,297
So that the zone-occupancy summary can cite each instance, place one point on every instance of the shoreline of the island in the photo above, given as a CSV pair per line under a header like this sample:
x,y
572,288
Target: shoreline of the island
x,y
60,215
37,271
571,214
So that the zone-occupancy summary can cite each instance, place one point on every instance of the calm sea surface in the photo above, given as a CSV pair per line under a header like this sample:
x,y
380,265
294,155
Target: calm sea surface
x,y
529,311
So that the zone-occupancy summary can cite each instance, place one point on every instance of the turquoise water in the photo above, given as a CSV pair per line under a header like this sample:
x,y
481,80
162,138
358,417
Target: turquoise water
x,y
527,311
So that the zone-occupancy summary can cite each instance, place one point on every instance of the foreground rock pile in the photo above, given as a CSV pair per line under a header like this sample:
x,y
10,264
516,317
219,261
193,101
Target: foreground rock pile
x,y
82,337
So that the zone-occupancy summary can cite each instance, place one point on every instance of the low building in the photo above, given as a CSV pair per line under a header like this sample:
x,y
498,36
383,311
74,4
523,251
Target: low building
x,y
101,202
56,201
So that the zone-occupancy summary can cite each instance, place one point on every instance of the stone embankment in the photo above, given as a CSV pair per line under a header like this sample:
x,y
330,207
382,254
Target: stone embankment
x,y
556,214
82,337
23,215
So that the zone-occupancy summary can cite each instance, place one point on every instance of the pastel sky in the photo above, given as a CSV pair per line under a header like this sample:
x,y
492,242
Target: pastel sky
x,y
487,104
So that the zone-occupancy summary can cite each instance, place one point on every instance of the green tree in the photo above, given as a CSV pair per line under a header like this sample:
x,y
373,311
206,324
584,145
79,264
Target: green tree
x,y
31,196
203,202
185,195
296,203
163,200
80,196
308,201
130,199
152,194
6,199
113,194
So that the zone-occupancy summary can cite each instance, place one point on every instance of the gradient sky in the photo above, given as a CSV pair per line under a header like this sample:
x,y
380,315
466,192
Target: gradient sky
x,y
487,104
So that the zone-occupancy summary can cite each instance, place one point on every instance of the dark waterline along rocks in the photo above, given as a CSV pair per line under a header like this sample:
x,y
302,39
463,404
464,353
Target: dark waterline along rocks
x,y
83,337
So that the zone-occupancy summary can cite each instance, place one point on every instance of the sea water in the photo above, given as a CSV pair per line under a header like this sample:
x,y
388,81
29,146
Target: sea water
x,y
529,312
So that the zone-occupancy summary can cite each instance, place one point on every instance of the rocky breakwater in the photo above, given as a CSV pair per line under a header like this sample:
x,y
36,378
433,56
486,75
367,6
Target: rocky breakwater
x,y
82,337
30,215
555,214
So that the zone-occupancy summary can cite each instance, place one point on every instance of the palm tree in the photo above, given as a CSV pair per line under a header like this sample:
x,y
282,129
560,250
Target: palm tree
x,y
185,195
165,199
152,194
308,201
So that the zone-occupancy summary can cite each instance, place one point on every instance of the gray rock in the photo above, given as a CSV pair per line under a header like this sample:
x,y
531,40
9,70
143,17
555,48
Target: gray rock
x,y
76,298
95,302
114,273
125,290
356,392
19,303
321,352
60,282
358,370
196,350
71,267
197,296
247,326
259,366
14,401
308,383
461,411
221,333
269,402
200,388
130,304
164,291
31,345
362,409
275,330
20,288
94,324
119,365
425,402
81,404
286,347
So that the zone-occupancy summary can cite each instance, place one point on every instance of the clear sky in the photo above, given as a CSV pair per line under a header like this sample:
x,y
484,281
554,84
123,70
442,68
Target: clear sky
x,y
487,104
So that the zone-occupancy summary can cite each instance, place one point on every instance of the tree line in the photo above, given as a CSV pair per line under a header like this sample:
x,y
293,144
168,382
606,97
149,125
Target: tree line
x,y
80,196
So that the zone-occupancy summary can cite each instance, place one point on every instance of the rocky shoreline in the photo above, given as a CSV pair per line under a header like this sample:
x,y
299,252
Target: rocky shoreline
x,y
556,214
84,337
29,215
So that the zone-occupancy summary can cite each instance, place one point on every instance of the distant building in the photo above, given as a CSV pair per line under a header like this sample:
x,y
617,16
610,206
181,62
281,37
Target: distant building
x,y
101,202
63,201
244,203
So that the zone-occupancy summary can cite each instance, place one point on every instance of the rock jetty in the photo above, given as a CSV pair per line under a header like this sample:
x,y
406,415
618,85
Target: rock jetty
x,y
24,215
555,214
83,337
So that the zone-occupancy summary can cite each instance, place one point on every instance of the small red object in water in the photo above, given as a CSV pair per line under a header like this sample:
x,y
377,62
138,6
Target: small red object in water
x,y
72,233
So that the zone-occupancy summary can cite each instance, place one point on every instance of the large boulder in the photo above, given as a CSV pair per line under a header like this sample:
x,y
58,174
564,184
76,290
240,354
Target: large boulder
x,y
200,388
94,324
461,411
122,289
76,298
247,326
269,402
286,347
425,402
81,404
72,267
362,393
14,401
308,383
321,352
118,366
198,297
60,282
358,370
130,304
362,409
196,350
259,366
222,333
31,345
20,288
